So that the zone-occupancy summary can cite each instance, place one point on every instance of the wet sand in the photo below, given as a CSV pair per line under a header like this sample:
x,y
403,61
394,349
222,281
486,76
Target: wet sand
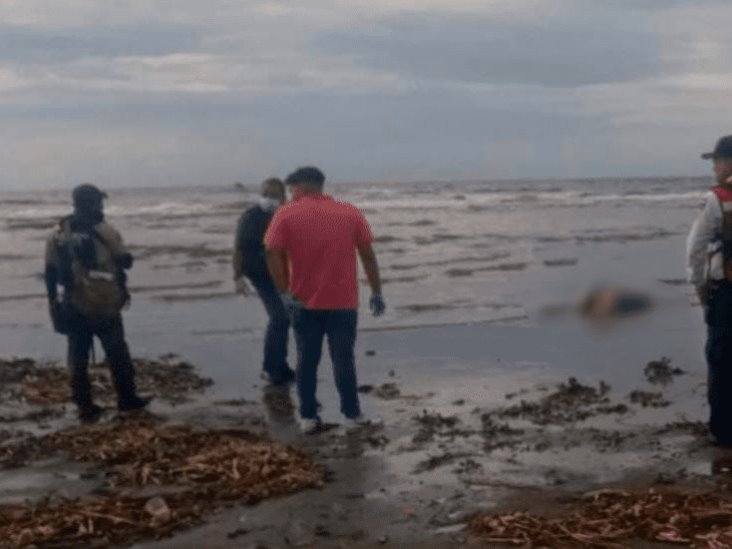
x,y
475,420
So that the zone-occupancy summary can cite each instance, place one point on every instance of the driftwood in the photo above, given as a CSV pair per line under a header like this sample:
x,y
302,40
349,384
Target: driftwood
x,y
612,518
197,472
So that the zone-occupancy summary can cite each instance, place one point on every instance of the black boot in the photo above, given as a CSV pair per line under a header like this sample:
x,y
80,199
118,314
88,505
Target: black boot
x,y
81,395
90,413
132,403
123,375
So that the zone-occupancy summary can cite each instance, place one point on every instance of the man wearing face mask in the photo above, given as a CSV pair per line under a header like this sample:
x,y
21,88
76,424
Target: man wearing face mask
x,y
85,255
250,266
709,264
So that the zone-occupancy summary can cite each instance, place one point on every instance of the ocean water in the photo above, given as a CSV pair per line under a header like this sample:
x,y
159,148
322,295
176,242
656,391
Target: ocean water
x,y
492,253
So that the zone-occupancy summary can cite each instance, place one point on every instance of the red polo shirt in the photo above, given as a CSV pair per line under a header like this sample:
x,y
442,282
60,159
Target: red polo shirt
x,y
320,236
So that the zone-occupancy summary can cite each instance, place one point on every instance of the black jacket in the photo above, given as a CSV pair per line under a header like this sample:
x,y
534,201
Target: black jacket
x,y
250,241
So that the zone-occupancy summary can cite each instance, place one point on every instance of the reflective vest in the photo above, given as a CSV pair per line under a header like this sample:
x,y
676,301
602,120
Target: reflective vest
x,y
724,195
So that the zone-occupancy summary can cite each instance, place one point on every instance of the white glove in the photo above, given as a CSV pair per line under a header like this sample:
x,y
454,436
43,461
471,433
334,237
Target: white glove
x,y
242,286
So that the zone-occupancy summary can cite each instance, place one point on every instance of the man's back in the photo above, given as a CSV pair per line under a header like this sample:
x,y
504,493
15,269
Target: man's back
x,y
320,236
249,240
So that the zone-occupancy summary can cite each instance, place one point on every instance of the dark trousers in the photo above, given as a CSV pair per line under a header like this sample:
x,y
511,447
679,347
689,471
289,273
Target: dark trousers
x,y
275,340
718,316
310,327
110,332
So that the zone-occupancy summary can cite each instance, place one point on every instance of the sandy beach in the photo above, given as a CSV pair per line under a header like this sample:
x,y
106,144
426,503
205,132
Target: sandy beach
x,y
496,394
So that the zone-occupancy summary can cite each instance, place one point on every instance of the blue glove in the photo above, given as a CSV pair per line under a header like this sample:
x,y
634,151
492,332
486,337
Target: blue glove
x,y
377,305
289,301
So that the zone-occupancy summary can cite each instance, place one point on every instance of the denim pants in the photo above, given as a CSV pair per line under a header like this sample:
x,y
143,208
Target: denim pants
x,y
310,327
275,340
110,332
718,316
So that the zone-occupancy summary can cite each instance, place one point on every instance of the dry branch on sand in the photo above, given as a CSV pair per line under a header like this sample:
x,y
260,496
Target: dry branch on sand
x,y
232,464
47,384
611,518
95,522
201,470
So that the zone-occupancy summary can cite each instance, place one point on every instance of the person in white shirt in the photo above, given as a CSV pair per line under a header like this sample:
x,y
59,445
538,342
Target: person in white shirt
x,y
709,267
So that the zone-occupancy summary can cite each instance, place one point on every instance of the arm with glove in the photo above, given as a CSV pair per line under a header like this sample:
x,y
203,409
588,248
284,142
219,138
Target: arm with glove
x,y
371,267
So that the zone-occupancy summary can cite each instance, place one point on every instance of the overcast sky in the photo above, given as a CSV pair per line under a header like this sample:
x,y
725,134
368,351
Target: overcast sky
x,y
164,92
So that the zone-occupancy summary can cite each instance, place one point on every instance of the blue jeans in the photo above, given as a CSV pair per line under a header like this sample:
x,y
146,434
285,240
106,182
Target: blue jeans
x,y
275,340
310,327
718,316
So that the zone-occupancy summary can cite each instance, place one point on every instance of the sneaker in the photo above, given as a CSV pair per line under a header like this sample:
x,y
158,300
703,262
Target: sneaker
x,y
309,425
362,421
90,414
133,403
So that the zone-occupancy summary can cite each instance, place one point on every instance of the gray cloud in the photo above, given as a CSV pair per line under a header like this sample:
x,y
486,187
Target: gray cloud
x,y
563,53
19,44
164,92
353,137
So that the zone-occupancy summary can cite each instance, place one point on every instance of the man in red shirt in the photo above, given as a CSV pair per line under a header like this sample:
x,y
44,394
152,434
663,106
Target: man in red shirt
x,y
311,254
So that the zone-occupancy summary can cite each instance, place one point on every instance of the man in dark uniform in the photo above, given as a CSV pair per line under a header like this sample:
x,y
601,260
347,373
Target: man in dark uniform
x,y
250,265
86,256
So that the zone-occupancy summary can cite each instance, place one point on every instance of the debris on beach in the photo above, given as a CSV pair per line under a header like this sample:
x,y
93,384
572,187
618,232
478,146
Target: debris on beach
x,y
385,391
94,522
277,400
391,391
661,372
232,463
33,416
608,518
434,424
498,434
198,470
696,428
570,402
648,399
435,461
47,384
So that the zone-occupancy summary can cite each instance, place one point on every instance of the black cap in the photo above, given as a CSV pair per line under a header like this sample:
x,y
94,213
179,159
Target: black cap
x,y
87,193
306,174
722,150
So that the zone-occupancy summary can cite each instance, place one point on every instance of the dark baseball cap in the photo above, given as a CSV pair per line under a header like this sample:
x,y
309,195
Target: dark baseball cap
x,y
87,192
306,174
723,149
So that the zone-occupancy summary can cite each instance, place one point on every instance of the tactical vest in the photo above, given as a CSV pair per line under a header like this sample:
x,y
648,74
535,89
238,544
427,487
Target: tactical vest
x,y
724,195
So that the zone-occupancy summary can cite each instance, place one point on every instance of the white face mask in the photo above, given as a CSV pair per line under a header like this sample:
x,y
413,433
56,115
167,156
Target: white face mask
x,y
268,204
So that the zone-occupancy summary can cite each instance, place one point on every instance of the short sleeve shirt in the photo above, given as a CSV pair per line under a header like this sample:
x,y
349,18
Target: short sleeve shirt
x,y
320,237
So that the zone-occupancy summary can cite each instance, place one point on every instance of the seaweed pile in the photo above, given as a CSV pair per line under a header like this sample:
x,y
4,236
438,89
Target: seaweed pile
x,y
189,472
611,518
